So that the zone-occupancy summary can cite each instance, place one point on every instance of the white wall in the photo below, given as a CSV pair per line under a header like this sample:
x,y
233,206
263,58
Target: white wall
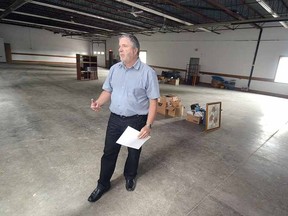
x,y
37,41
2,51
230,52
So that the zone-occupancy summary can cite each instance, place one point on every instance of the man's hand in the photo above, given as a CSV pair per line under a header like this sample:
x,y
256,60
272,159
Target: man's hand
x,y
95,105
144,132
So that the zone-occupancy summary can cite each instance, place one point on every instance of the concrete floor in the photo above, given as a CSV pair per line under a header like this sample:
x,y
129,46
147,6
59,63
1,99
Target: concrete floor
x,y
51,144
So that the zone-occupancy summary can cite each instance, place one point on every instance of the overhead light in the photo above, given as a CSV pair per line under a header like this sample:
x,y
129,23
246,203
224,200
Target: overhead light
x,y
265,6
154,12
43,25
204,29
83,13
58,20
275,15
134,5
284,24
270,11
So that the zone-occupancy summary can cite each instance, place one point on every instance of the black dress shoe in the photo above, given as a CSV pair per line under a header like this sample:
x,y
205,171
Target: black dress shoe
x,y
130,184
96,194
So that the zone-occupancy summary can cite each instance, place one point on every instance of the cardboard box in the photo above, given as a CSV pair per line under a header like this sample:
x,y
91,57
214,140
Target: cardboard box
x,y
194,119
176,111
172,97
162,100
176,103
161,79
167,99
162,108
173,81
180,110
170,105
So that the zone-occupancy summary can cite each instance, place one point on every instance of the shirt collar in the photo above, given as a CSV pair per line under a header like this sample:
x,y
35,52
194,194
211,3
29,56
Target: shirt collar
x,y
135,66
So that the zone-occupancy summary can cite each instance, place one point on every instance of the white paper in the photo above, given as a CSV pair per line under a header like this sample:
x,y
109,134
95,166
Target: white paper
x,y
130,138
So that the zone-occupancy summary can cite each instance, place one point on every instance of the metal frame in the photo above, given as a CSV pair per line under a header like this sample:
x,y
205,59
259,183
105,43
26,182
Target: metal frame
x,y
99,19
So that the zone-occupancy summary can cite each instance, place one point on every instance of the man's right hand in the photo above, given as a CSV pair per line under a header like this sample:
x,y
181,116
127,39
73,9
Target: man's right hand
x,y
95,105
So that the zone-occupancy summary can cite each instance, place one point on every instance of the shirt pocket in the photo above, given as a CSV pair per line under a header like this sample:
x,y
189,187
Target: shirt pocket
x,y
137,95
138,92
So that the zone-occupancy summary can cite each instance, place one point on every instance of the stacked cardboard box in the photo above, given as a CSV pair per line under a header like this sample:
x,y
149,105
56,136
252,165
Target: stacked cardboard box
x,y
162,79
193,118
173,81
170,105
162,107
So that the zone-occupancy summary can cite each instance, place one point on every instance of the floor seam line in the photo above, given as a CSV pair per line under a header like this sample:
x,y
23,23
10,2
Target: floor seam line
x,y
241,165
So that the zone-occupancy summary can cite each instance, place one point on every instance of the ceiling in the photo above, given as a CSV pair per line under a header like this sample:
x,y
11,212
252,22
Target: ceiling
x,y
101,19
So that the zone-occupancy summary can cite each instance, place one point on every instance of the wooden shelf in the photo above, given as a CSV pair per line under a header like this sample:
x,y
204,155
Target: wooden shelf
x,y
86,67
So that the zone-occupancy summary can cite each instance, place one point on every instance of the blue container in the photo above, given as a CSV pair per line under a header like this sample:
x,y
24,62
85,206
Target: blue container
x,y
218,78
230,84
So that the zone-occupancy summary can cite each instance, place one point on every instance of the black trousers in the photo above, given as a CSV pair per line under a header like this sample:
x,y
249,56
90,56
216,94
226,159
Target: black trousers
x,y
116,126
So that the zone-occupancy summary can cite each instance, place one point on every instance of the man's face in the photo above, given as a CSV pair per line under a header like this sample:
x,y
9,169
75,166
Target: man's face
x,y
127,53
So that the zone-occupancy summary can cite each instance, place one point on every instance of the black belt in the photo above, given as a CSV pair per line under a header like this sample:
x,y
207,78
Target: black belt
x,y
127,117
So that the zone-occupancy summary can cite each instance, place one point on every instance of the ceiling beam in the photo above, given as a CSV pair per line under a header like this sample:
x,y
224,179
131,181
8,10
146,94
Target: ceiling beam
x,y
267,7
64,21
228,11
239,22
285,4
42,25
159,13
52,27
85,14
263,20
192,11
189,10
154,12
247,4
17,4
225,9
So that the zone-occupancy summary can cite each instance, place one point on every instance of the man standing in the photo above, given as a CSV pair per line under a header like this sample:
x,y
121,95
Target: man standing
x,y
133,89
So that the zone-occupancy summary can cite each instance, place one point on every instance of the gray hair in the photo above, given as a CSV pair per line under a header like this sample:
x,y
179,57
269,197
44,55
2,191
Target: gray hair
x,y
133,39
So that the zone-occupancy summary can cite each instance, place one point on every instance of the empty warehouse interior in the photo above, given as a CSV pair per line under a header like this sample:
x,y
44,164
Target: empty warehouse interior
x,y
51,145
52,142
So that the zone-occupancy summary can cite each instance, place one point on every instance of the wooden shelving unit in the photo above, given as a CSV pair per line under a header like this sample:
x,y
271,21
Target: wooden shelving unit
x,y
86,67
192,71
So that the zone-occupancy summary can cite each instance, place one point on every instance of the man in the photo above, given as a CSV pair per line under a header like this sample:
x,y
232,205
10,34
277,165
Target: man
x,y
133,89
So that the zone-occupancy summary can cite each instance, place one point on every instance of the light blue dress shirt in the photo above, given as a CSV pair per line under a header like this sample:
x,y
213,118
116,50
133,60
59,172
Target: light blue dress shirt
x,y
131,88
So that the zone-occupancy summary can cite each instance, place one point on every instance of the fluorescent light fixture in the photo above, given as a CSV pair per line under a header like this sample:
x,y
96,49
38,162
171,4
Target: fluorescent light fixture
x,y
83,13
73,22
42,25
154,12
204,29
270,10
265,6
275,15
134,5
284,24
